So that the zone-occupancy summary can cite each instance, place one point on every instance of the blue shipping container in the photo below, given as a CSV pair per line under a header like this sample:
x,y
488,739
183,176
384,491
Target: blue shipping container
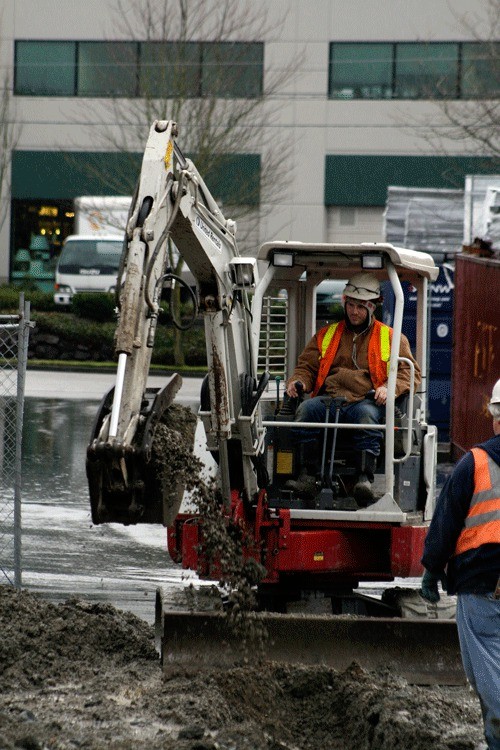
x,y
440,342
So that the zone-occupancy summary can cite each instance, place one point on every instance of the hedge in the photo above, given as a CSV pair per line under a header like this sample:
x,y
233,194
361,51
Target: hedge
x,y
91,322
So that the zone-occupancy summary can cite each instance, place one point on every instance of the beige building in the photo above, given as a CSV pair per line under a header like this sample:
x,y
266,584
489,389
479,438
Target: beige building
x,y
351,119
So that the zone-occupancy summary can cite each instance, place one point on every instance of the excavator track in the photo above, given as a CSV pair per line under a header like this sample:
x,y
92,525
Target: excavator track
x,y
423,651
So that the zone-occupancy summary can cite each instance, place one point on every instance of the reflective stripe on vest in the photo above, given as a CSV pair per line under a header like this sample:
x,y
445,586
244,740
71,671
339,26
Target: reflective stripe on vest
x,y
482,525
379,352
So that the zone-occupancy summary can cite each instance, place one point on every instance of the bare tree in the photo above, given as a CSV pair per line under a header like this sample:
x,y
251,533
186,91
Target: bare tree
x,y
471,123
213,124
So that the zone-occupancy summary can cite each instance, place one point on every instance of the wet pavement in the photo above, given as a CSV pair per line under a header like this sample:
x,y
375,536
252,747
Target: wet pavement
x,y
93,385
63,553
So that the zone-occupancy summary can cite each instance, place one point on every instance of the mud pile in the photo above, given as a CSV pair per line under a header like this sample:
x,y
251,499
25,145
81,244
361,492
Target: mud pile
x,y
174,466
85,675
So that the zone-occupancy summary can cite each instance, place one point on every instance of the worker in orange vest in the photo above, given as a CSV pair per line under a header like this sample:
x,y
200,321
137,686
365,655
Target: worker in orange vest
x,y
347,361
462,551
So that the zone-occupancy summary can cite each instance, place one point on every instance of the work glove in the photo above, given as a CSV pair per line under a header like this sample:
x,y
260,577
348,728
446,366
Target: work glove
x,y
429,588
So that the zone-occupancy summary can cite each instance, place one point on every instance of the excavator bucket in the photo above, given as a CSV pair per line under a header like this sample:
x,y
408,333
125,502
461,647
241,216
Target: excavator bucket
x,y
423,651
130,483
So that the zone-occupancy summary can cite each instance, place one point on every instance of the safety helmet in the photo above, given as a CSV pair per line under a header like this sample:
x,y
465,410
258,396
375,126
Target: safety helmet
x,y
495,394
363,286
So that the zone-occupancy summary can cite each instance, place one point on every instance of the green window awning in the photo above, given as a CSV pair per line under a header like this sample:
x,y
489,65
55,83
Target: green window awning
x,y
363,180
59,175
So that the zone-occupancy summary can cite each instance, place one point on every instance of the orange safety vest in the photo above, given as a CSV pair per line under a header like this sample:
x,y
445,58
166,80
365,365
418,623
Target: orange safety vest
x,y
482,525
379,352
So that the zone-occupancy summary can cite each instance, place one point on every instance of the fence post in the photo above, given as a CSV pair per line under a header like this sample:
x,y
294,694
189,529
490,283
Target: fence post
x,y
14,338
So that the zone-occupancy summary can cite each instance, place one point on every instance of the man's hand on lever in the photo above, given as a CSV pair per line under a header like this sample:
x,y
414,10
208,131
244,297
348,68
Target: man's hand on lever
x,y
380,395
295,389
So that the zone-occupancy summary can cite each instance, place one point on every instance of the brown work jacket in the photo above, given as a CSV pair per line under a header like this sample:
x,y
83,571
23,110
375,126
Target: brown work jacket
x,y
349,376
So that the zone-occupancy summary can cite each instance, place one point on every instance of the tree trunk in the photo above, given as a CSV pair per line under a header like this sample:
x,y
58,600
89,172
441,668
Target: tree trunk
x,y
179,359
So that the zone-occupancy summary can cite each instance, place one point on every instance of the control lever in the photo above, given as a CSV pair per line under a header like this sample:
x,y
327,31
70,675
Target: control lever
x,y
290,403
278,402
371,395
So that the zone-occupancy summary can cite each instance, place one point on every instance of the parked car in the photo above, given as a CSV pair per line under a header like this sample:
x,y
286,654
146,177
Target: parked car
x,y
329,300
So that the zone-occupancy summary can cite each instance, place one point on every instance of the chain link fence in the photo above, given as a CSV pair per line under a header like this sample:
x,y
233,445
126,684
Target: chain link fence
x,y
14,336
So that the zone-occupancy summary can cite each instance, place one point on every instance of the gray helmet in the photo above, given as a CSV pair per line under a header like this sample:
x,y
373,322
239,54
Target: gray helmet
x,y
363,286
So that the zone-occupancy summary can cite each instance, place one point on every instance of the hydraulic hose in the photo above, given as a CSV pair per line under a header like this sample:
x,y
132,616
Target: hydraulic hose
x,y
163,237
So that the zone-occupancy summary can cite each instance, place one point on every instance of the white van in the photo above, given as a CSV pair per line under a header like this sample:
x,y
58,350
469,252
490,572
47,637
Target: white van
x,y
87,263
102,215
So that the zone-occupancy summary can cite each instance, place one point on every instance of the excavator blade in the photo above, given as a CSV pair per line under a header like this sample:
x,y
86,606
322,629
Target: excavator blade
x,y
424,652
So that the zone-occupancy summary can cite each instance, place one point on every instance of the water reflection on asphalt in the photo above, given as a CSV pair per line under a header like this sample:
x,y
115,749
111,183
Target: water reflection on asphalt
x,y
63,553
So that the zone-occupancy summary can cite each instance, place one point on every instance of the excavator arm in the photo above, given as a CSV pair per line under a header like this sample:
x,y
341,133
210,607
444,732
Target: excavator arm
x,y
172,202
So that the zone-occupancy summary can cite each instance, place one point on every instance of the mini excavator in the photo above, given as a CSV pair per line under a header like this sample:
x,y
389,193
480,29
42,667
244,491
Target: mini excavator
x,y
258,312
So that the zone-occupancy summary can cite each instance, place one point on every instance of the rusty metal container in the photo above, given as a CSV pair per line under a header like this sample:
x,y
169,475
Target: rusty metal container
x,y
476,349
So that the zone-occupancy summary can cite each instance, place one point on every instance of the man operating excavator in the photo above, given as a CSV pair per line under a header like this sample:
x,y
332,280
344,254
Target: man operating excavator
x,y
349,362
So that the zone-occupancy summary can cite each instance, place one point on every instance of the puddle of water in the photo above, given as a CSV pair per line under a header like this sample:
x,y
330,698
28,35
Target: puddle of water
x,y
63,553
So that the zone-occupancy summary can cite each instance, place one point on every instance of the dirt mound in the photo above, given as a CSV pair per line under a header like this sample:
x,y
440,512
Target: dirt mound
x,y
81,675
41,640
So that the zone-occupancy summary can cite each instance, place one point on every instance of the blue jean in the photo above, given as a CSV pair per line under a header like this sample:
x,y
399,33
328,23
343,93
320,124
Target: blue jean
x,y
478,623
360,412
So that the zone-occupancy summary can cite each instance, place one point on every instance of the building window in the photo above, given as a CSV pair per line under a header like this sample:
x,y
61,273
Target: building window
x,y
426,71
37,232
107,69
202,69
361,71
232,70
170,69
414,70
480,70
45,68
131,69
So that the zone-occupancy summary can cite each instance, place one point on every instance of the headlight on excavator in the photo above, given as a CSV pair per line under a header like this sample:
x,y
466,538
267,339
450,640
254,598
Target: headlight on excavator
x,y
372,261
243,273
283,260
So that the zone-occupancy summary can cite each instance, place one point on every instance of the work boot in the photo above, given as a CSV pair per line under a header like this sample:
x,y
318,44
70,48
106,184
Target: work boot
x,y
363,493
366,464
308,461
304,484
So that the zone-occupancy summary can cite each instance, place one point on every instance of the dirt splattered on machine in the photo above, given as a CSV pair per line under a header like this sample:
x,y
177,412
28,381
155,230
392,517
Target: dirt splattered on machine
x,y
81,674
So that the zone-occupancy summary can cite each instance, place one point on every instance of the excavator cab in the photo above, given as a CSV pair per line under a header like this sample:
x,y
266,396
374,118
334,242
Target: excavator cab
x,y
404,473
335,463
